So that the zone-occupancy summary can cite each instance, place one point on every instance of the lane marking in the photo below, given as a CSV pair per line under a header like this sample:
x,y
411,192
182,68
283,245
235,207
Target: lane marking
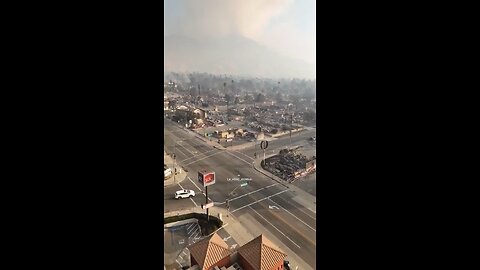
x,y
293,215
186,148
193,183
275,227
189,231
196,235
203,153
193,235
190,197
253,192
189,228
181,139
184,253
226,238
312,210
190,163
203,193
245,155
230,153
314,218
259,200
185,154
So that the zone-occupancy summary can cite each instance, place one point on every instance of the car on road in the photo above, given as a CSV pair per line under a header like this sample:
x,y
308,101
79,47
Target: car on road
x,y
184,193
286,265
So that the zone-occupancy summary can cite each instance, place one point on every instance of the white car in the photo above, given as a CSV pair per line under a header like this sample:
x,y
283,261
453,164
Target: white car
x,y
184,193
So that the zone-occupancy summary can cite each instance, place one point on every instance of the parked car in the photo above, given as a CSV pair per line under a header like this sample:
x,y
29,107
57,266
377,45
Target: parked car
x,y
286,265
184,193
167,173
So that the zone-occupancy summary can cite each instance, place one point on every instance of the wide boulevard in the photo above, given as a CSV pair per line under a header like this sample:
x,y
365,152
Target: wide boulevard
x,y
263,201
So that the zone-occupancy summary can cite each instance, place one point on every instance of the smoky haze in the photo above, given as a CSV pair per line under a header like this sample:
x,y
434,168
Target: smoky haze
x,y
208,18
230,36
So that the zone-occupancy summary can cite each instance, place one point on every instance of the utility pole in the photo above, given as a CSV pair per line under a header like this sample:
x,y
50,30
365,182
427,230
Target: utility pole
x,y
264,157
206,201
174,162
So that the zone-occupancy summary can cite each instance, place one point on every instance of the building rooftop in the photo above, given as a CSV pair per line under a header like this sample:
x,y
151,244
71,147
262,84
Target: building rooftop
x,y
261,253
209,251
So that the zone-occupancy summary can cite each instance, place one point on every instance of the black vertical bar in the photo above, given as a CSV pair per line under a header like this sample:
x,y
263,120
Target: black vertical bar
x,y
206,201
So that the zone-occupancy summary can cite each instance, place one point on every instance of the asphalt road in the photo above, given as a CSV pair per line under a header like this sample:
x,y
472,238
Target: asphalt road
x,y
264,200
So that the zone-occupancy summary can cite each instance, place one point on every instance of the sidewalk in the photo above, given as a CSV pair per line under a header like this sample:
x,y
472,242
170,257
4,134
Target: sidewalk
x,y
179,177
304,198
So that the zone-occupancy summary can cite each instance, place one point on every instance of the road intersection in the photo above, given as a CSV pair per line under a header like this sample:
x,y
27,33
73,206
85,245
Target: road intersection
x,y
263,201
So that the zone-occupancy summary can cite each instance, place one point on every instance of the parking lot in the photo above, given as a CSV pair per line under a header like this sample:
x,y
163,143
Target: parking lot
x,y
176,241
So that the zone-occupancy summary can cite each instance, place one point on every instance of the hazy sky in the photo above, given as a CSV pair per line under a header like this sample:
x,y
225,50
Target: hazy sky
x,y
286,26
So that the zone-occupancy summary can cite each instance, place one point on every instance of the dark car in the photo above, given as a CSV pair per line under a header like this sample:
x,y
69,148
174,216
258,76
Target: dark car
x,y
286,265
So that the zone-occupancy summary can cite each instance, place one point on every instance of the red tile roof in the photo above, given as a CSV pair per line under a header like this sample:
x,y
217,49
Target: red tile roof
x,y
209,251
261,253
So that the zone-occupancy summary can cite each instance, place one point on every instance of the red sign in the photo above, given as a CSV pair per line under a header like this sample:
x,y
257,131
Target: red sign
x,y
206,178
209,178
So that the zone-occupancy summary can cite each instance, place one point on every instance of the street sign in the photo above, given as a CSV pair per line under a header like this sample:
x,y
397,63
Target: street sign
x,y
244,184
264,145
208,205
